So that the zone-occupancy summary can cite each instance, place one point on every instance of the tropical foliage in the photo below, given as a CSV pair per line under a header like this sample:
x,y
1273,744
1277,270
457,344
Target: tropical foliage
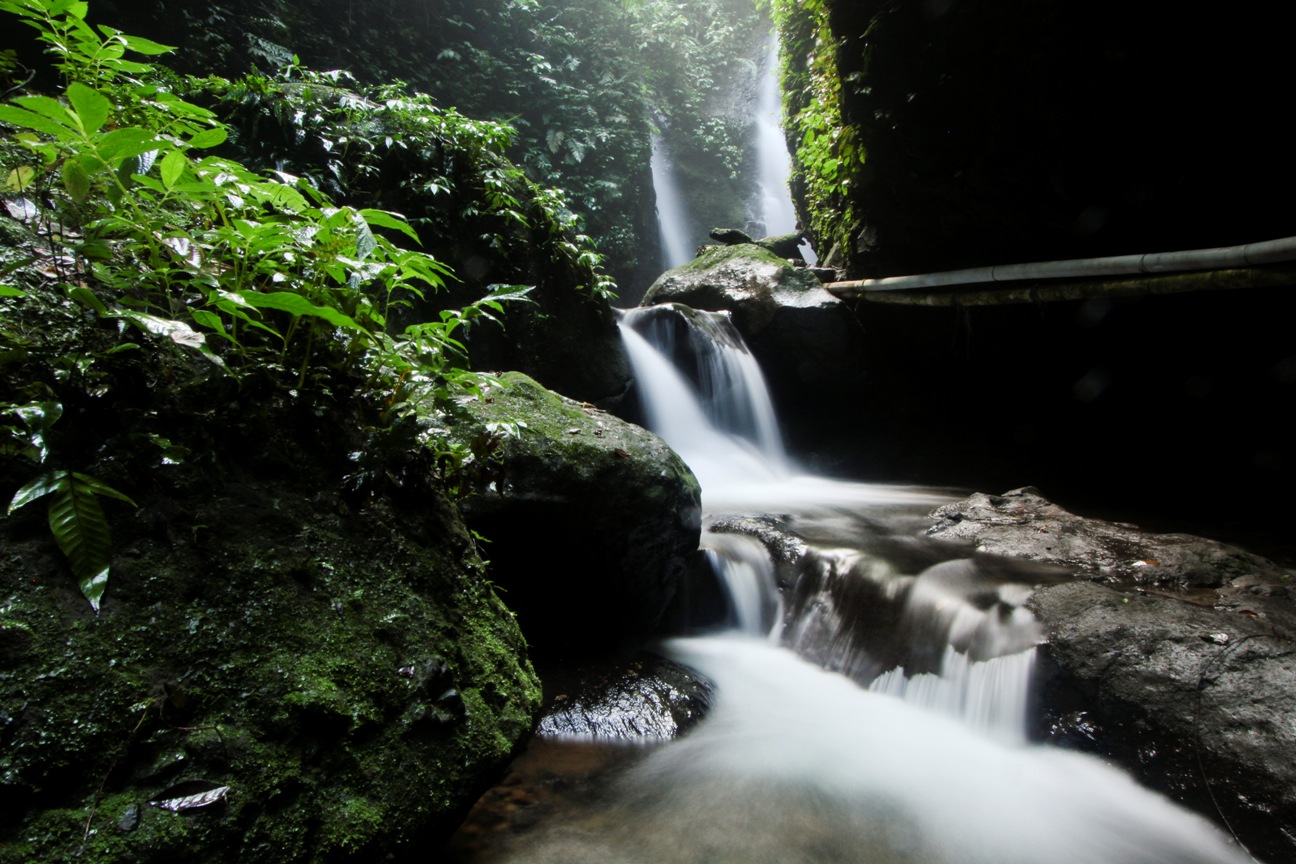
x,y
828,157
124,219
582,82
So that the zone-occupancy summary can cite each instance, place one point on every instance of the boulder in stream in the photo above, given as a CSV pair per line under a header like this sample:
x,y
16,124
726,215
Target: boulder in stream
x,y
593,520
1171,654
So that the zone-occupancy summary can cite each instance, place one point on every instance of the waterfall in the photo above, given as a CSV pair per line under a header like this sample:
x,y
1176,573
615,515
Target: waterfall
x,y
795,761
704,393
672,216
774,213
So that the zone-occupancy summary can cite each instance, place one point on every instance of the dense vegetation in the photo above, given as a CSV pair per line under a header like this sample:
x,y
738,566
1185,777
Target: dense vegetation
x,y
583,83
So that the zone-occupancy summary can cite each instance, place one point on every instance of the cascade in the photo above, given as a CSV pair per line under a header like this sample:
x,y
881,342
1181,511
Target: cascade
x,y
672,216
871,689
796,761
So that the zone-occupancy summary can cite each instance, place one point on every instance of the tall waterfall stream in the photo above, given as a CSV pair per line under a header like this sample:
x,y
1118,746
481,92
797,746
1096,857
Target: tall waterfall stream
x,y
827,742
870,707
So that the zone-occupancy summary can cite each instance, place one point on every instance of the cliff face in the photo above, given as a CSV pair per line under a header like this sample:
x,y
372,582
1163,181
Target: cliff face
x,y
998,132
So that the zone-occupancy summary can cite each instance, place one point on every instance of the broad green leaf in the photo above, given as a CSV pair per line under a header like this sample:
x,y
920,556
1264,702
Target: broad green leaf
x,y
140,45
10,291
92,107
38,122
86,297
172,167
76,180
38,417
81,530
365,242
20,178
212,321
38,488
124,143
50,108
295,304
209,138
98,487
387,219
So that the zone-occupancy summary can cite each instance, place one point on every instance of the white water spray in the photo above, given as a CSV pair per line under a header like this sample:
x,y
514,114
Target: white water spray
x,y
672,216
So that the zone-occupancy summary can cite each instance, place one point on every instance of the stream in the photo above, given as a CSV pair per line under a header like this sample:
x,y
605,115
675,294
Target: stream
x,y
874,711
872,687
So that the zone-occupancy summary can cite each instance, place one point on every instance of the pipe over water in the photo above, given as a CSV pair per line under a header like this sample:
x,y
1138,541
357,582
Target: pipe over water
x,y
1222,257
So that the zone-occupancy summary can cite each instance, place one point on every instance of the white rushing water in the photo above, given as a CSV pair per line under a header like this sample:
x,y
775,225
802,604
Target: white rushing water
x,y
774,164
795,763
672,216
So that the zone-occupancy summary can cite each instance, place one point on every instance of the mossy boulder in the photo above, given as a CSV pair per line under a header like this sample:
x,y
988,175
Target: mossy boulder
x,y
348,674
592,520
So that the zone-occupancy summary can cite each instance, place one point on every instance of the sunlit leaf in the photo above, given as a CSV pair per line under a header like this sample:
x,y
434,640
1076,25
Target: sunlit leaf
x,y
38,488
295,304
387,219
76,180
172,167
92,107
209,138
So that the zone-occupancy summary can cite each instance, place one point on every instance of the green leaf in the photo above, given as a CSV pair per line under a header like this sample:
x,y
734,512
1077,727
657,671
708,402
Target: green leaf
x,y
295,304
98,487
140,45
38,417
387,219
10,291
87,298
76,179
20,178
38,488
92,107
172,167
209,138
81,530
38,122
124,143
365,242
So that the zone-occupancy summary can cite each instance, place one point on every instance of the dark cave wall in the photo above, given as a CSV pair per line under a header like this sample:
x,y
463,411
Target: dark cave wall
x,y
1010,130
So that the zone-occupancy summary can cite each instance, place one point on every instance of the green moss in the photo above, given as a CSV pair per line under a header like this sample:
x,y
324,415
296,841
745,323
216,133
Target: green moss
x,y
289,662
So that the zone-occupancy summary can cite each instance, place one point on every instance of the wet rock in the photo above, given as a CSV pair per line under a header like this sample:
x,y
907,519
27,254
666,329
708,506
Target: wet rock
x,y
1196,701
809,344
646,699
295,684
1171,654
1022,524
592,520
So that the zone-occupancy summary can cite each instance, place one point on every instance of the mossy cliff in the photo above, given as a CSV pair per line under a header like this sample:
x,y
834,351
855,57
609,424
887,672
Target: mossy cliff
x,y
348,672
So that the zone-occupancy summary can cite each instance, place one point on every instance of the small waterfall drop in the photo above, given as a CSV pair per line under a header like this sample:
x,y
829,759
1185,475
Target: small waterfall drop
x,y
672,216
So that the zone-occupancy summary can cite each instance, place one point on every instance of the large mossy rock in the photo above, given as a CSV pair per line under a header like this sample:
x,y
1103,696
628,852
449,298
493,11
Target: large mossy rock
x,y
592,520
808,343
350,676
1171,654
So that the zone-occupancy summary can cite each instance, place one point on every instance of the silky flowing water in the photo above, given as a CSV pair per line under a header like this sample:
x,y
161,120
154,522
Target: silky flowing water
x,y
873,711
